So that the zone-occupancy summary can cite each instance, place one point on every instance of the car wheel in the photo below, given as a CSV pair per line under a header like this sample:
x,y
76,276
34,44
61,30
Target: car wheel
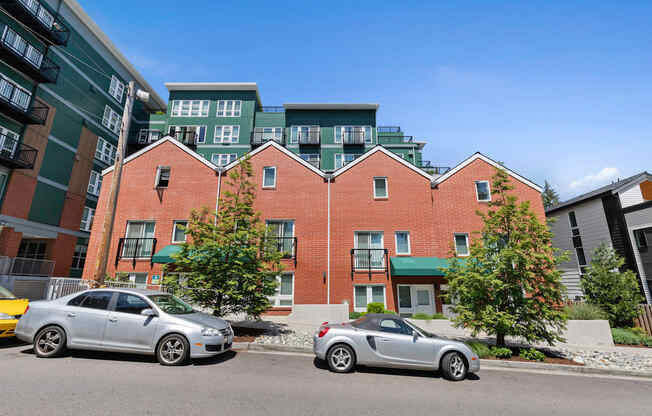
x,y
173,350
341,358
453,366
50,342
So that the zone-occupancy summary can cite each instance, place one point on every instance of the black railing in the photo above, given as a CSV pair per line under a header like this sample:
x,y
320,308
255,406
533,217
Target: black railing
x,y
388,129
38,18
38,66
354,138
16,155
311,159
135,248
438,170
189,138
386,139
258,138
311,137
18,104
286,246
272,109
369,260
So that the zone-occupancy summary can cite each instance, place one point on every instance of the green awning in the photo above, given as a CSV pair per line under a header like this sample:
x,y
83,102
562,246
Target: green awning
x,y
164,255
418,266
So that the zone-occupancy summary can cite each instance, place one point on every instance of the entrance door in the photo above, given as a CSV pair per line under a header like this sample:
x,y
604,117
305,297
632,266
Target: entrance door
x,y
416,299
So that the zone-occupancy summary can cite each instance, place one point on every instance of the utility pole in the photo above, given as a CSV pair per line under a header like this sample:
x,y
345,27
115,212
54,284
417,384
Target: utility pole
x,y
109,214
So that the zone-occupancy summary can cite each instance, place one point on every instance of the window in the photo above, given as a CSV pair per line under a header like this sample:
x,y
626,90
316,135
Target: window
x,y
380,187
228,108
304,134
188,134
284,295
282,231
639,235
116,89
97,300
139,241
572,219
269,177
482,191
146,136
8,142
227,134
353,134
77,300
94,183
87,219
342,159
79,257
190,108
402,242
137,279
32,249
162,176
179,235
369,250
265,134
105,151
312,158
111,120
394,326
131,304
3,182
364,294
223,159
576,240
462,244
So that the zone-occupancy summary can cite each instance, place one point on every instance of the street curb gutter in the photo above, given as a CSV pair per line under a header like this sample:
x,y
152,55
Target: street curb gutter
x,y
570,369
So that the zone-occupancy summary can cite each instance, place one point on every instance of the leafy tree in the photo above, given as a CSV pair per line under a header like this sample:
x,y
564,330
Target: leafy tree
x,y
509,284
227,265
549,195
615,292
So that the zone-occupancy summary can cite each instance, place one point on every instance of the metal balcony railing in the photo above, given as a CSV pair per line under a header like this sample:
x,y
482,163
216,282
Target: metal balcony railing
x,y
16,155
369,260
385,139
355,138
28,59
272,109
310,138
260,137
285,245
21,266
188,137
388,129
39,19
312,159
17,103
135,249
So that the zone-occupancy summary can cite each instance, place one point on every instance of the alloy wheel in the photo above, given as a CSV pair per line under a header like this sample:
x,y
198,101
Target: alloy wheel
x,y
341,358
457,366
48,342
172,350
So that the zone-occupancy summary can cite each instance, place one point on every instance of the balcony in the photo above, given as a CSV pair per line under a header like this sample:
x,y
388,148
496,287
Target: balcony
x,y
433,170
388,129
287,246
33,15
19,266
313,159
26,58
353,138
395,139
15,103
370,260
16,155
272,109
135,249
312,137
188,137
262,135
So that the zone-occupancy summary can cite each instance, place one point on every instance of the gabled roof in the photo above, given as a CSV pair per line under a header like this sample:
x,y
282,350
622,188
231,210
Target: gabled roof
x,y
493,163
157,143
330,106
281,149
613,188
376,149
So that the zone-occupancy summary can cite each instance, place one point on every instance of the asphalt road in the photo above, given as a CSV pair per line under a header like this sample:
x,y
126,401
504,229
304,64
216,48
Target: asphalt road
x,y
245,383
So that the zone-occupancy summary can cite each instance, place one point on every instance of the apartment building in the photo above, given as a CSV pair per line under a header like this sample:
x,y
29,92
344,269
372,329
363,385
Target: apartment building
x,y
62,92
222,121
379,229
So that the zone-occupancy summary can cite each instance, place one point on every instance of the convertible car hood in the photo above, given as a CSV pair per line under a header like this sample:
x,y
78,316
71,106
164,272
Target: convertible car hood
x,y
203,319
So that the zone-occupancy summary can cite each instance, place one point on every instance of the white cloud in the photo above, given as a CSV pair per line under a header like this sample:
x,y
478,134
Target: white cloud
x,y
600,178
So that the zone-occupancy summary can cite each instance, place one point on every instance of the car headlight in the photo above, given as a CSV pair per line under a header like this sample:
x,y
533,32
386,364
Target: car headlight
x,y
5,316
210,332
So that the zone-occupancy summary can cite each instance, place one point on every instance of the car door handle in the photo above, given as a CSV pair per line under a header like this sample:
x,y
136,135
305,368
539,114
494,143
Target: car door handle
x,y
71,315
384,339
113,319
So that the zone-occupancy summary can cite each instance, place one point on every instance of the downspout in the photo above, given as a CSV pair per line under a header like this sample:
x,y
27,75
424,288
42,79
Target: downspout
x,y
219,186
328,247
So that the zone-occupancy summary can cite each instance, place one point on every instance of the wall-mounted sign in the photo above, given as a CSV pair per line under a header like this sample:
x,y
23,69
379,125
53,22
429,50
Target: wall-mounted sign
x,y
156,279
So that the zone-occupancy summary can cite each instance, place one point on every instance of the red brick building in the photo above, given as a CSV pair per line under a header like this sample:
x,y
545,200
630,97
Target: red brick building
x,y
377,229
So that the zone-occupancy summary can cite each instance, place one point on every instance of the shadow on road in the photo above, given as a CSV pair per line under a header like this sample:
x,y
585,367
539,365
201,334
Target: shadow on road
x,y
322,365
11,343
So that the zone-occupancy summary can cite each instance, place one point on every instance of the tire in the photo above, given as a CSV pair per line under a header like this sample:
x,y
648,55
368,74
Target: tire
x,y
50,342
341,358
454,367
173,350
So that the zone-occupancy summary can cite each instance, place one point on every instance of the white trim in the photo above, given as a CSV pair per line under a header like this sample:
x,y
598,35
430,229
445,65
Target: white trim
x,y
52,183
159,170
62,143
213,86
21,224
369,296
224,110
229,156
477,196
177,104
409,252
329,106
165,139
492,163
386,187
274,298
280,148
174,227
232,137
639,263
263,181
394,156
468,247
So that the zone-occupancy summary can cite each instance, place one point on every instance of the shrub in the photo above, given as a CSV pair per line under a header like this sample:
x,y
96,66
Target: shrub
x,y
585,312
439,316
625,336
421,316
501,352
532,355
647,341
480,348
354,315
389,312
375,307
638,331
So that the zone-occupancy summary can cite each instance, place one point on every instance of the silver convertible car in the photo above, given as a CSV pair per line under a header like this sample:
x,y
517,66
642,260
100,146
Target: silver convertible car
x,y
124,320
385,340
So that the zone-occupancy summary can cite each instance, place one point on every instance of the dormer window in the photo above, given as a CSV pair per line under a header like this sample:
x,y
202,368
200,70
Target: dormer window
x,y
162,176
482,191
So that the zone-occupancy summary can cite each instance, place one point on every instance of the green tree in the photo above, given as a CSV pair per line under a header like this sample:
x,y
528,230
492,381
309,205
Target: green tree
x,y
549,195
509,284
227,265
615,292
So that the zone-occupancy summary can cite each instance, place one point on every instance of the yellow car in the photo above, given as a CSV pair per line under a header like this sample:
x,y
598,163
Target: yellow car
x,y
11,309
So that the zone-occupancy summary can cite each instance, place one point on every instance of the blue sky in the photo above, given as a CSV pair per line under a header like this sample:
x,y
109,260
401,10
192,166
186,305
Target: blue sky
x,y
556,90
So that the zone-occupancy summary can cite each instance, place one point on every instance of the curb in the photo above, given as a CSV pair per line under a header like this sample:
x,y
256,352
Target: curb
x,y
556,368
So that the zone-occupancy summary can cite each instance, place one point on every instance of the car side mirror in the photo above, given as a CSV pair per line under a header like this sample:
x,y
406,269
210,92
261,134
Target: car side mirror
x,y
148,312
415,335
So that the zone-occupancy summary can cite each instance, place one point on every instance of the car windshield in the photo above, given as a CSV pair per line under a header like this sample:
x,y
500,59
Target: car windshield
x,y
171,304
5,294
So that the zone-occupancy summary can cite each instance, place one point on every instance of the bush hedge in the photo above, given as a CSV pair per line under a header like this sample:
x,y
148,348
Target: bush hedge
x,y
426,316
585,312
532,354
631,336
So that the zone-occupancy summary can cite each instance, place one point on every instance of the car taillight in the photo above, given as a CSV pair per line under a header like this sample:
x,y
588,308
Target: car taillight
x,y
324,323
26,309
323,331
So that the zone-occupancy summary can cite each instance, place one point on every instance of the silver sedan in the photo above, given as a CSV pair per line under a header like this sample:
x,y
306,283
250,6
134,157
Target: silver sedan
x,y
385,340
124,320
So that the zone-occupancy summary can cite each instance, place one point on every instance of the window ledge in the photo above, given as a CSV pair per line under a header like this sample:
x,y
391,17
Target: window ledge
x,y
379,198
270,188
